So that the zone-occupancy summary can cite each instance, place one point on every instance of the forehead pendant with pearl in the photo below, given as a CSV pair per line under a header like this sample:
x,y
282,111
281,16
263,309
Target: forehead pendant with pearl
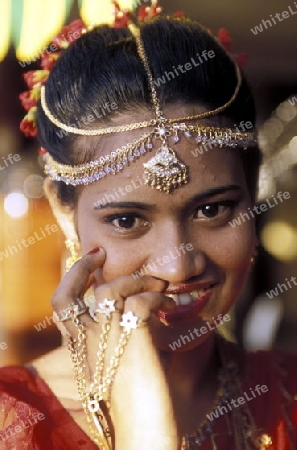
x,y
164,171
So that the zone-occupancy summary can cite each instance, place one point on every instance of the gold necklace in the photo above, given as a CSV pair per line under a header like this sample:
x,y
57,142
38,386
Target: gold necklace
x,y
246,434
206,427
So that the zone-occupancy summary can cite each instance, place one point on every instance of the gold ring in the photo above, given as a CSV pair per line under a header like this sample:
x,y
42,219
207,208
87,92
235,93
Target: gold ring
x,y
71,312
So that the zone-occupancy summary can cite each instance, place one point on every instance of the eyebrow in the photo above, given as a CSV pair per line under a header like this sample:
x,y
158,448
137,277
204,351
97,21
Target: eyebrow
x,y
213,191
146,207
125,205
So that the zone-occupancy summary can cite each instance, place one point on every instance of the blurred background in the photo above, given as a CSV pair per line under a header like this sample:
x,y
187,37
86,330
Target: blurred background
x,y
32,251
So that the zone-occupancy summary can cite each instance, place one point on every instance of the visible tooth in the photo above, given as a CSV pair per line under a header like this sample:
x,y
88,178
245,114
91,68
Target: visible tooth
x,y
176,299
185,299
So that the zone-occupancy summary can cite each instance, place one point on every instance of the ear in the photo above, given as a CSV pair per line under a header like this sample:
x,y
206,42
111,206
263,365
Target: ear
x,y
63,213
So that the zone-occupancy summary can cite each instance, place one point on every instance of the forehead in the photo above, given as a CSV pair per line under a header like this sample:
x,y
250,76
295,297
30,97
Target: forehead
x,y
213,168
87,148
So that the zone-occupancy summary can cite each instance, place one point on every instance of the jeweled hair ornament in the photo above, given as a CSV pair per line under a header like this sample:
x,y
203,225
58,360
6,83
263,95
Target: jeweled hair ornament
x,y
164,171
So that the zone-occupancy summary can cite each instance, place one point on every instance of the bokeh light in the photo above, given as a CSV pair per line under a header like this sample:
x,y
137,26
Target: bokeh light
x,y
16,204
280,240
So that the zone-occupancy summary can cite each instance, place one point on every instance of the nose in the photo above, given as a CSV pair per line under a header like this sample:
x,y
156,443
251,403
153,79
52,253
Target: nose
x,y
175,259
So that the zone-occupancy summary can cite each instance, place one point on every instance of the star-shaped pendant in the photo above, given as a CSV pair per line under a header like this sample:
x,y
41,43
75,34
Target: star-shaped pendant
x,y
129,321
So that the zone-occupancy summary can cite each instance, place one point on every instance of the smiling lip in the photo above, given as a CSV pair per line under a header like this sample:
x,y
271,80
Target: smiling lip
x,y
185,288
185,312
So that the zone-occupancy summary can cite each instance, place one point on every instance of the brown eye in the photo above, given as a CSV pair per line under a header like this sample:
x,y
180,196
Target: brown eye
x,y
210,211
126,222
214,210
122,222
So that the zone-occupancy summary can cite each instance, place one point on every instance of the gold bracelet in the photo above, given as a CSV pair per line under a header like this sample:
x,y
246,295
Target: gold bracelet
x,y
100,387
78,358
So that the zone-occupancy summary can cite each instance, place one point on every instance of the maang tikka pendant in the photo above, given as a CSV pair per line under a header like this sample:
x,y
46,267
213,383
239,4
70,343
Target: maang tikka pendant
x,y
164,171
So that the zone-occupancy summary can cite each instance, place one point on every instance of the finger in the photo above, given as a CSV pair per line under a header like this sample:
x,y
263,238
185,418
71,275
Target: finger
x,y
123,287
61,326
143,304
71,291
75,282
127,286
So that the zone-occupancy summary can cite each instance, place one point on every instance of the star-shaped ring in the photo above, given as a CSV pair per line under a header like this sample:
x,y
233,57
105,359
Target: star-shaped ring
x,y
105,307
131,322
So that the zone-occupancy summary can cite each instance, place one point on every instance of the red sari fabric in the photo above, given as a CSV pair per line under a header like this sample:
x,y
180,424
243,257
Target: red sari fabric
x,y
32,418
22,397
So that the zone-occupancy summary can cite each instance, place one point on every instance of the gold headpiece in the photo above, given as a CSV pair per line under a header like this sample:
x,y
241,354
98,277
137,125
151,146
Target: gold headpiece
x,y
164,171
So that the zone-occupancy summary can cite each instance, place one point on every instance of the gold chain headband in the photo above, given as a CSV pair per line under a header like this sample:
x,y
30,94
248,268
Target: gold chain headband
x,y
164,171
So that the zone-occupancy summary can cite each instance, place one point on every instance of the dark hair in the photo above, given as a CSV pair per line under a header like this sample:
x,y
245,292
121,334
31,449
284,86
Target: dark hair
x,y
103,66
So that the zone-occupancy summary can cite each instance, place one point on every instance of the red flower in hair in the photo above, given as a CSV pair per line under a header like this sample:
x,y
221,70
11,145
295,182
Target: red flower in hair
x,y
30,98
121,17
28,124
35,76
77,26
145,12
179,14
29,78
225,38
28,128
27,101
142,12
48,60
69,34
42,152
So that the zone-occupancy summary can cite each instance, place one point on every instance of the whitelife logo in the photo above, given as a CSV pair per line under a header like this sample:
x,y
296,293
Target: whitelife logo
x,y
247,396
183,68
18,427
24,243
279,289
104,109
259,209
9,160
198,332
271,22
159,262
50,320
293,101
120,192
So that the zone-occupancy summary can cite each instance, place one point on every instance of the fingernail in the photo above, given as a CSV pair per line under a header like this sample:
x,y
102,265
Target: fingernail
x,y
95,250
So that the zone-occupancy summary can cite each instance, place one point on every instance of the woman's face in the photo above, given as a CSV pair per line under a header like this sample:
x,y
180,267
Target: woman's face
x,y
184,237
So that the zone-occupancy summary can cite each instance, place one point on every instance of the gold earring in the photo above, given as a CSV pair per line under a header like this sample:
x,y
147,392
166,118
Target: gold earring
x,y
253,258
73,247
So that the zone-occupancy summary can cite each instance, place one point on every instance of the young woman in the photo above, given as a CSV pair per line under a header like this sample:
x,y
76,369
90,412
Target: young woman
x,y
145,172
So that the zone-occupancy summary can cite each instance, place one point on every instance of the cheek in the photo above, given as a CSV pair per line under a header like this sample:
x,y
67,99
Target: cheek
x,y
230,252
231,248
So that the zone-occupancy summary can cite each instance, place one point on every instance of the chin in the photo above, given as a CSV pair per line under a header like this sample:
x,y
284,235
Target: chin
x,y
182,336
